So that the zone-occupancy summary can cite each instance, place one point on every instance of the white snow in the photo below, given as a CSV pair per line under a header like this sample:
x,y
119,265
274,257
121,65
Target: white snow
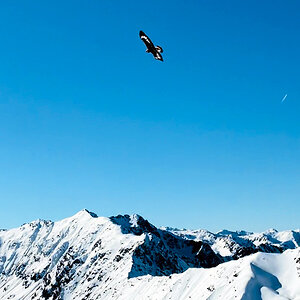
x,y
226,243
37,256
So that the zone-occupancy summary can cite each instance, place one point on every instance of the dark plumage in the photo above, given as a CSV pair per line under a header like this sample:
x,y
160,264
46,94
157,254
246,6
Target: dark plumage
x,y
154,50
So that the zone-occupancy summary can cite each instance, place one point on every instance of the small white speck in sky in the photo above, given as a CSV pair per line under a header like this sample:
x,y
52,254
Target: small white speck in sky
x,y
284,98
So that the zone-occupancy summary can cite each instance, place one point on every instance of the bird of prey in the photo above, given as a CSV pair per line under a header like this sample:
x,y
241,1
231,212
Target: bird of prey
x,y
154,50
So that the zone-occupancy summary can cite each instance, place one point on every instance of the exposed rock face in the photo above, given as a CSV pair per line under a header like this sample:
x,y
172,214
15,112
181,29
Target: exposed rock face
x,y
90,257
163,253
49,259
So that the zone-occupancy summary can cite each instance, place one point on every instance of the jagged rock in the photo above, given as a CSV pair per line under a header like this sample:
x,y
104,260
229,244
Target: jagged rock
x,y
90,257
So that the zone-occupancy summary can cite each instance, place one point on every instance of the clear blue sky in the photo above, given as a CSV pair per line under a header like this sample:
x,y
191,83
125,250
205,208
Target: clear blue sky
x,y
202,140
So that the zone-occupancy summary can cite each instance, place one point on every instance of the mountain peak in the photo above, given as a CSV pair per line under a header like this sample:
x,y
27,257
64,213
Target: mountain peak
x,y
85,213
271,231
85,256
135,224
92,214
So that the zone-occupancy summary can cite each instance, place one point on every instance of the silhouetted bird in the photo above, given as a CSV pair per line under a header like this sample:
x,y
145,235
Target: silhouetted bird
x,y
155,50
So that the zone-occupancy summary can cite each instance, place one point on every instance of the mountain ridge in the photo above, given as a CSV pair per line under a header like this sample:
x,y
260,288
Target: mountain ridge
x,y
90,257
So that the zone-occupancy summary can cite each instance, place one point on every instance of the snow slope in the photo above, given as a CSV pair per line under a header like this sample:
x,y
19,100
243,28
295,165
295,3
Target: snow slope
x,y
259,276
125,257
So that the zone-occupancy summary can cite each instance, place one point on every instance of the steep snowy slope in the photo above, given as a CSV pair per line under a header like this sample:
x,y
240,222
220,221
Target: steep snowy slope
x,y
259,276
125,257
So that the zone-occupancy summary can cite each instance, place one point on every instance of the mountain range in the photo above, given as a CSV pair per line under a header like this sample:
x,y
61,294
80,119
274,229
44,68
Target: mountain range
x,y
126,257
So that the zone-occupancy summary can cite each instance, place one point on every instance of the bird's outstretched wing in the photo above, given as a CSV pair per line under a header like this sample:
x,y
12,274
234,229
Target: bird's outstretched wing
x,y
146,40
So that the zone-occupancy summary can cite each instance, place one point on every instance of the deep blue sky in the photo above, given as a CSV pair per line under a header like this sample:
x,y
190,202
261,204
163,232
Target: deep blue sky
x,y
202,140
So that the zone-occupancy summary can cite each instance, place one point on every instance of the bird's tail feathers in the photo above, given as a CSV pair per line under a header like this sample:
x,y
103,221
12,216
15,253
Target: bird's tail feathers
x,y
159,49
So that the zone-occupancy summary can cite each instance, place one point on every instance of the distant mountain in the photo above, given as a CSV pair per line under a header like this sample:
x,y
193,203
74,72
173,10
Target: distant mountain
x,y
125,257
236,244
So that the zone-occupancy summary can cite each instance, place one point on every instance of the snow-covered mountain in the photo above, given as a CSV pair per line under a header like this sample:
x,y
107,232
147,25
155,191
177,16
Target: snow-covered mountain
x,y
125,257
236,244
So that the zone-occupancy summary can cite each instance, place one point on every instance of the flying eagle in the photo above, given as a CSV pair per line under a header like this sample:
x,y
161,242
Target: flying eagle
x,y
154,50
